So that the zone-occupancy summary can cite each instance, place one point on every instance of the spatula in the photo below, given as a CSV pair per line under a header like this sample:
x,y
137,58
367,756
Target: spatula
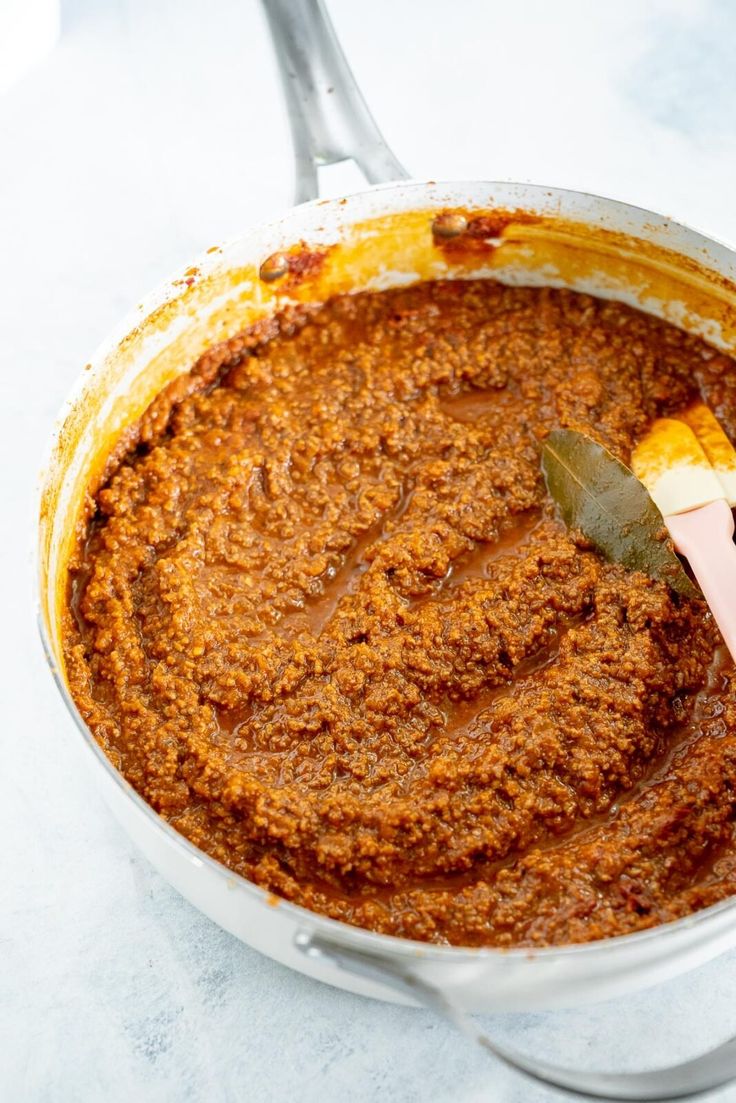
x,y
688,465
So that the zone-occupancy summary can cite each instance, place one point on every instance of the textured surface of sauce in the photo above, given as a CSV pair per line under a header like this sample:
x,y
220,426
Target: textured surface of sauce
x,y
327,624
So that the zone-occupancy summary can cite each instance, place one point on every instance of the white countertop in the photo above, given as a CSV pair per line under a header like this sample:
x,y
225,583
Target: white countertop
x,y
156,130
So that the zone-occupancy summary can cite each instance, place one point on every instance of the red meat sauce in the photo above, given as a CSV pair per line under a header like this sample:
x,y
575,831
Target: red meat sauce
x,y
327,623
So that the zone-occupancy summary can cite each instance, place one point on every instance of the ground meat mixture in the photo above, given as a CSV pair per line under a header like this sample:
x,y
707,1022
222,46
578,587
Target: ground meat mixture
x,y
326,621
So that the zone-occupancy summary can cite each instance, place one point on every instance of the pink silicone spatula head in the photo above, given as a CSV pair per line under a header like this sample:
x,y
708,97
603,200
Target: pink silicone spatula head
x,y
689,468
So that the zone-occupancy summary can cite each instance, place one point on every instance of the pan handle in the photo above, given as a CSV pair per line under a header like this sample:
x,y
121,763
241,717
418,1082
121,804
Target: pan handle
x,y
329,119
688,1079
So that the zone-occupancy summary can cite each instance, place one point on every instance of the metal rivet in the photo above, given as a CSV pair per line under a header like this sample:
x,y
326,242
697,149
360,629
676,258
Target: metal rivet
x,y
449,225
274,267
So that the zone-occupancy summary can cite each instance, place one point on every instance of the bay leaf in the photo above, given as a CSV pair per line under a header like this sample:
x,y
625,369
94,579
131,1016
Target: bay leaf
x,y
603,499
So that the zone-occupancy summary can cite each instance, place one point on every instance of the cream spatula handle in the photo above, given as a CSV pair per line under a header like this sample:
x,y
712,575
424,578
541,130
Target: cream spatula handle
x,y
705,537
